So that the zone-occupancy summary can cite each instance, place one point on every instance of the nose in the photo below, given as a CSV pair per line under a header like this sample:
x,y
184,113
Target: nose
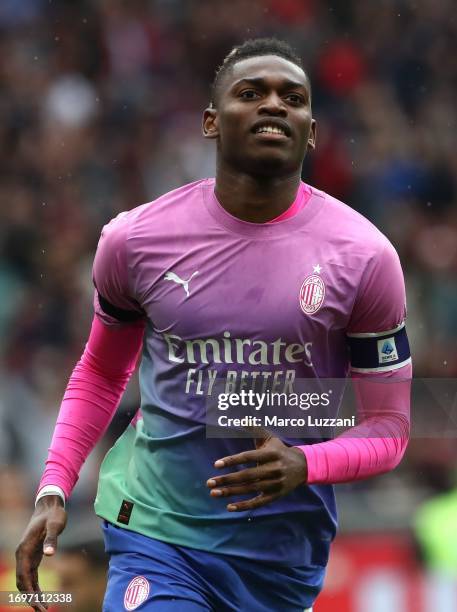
x,y
273,105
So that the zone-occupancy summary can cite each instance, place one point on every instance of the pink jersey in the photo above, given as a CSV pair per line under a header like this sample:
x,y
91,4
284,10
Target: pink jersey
x,y
309,296
187,265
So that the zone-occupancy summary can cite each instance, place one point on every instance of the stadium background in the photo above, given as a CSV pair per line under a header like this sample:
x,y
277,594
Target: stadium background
x,y
100,106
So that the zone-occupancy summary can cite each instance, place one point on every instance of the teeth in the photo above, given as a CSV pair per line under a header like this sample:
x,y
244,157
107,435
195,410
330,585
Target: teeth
x,y
269,129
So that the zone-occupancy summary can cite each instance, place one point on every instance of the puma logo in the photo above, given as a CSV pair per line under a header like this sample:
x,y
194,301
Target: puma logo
x,y
171,276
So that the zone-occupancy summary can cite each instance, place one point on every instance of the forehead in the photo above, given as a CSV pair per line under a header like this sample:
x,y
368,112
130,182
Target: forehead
x,y
268,67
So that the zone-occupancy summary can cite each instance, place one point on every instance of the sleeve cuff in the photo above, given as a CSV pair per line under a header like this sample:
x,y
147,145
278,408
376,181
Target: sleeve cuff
x,y
50,490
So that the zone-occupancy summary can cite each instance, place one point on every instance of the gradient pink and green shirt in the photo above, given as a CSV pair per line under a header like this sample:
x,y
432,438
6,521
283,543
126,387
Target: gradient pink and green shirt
x,y
223,298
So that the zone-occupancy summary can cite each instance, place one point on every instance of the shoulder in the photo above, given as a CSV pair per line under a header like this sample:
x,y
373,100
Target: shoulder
x,y
182,196
349,230
145,217
351,223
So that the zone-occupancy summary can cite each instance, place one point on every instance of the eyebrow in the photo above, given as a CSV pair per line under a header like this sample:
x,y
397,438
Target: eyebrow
x,y
260,82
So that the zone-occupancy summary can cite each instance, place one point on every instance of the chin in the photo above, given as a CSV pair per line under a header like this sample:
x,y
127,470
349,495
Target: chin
x,y
270,163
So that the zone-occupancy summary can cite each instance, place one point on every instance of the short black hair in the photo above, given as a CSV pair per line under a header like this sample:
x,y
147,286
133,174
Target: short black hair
x,y
252,48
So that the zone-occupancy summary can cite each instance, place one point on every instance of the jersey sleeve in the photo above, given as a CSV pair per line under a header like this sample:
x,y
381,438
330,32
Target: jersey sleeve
x,y
381,372
376,332
93,393
114,302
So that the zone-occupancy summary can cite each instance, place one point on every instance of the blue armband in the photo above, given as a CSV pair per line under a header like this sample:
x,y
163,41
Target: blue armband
x,y
380,351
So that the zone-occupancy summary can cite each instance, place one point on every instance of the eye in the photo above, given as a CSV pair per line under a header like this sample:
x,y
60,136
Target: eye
x,y
249,94
295,98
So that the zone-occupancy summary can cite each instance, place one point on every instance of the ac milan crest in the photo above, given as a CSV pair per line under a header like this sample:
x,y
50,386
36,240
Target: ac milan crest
x,y
136,592
312,294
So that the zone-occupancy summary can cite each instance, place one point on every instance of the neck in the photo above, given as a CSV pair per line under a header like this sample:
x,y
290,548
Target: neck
x,y
257,199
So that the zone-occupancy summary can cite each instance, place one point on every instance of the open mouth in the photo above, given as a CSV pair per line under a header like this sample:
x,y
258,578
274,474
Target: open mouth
x,y
269,129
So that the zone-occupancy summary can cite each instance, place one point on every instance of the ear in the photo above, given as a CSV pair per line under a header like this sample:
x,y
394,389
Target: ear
x,y
209,125
312,136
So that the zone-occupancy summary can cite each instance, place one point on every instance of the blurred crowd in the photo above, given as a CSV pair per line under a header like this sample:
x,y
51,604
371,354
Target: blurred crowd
x,y
100,108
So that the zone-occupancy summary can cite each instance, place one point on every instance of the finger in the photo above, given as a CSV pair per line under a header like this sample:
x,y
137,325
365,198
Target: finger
x,y
243,476
35,585
24,581
28,557
254,456
53,529
27,582
251,504
24,572
36,588
40,607
265,486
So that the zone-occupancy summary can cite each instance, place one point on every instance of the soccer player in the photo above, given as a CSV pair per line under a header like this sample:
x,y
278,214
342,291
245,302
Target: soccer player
x,y
250,276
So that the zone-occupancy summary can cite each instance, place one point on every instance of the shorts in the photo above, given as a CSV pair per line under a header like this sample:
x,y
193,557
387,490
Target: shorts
x,y
150,575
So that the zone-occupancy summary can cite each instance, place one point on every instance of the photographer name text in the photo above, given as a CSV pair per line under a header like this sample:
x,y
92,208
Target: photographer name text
x,y
275,421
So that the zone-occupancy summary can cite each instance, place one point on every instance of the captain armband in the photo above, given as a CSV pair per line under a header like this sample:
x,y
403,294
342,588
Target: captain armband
x,y
379,351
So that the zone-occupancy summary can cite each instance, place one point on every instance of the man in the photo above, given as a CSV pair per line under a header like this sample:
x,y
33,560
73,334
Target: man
x,y
251,276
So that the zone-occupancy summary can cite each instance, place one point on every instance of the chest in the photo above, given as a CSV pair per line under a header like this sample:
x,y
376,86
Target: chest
x,y
293,288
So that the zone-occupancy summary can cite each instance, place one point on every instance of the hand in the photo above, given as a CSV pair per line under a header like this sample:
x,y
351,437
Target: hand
x,y
279,470
40,537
